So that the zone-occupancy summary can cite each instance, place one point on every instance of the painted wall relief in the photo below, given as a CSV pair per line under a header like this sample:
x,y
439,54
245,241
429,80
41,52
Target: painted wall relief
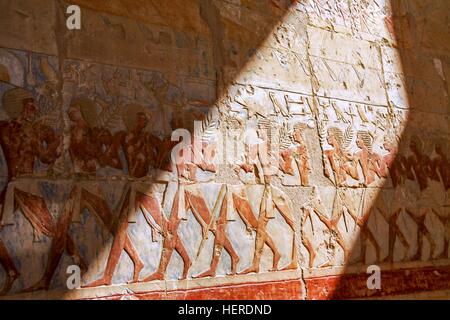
x,y
306,164
124,192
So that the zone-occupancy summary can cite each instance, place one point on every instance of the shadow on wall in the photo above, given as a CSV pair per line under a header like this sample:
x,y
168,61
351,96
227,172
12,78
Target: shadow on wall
x,y
407,225
84,203
92,147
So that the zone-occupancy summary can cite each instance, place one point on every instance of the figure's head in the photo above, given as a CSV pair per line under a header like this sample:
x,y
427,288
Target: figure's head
x,y
438,148
135,117
335,137
263,128
441,147
415,144
75,114
141,121
29,110
83,110
298,132
4,74
19,104
364,140
389,143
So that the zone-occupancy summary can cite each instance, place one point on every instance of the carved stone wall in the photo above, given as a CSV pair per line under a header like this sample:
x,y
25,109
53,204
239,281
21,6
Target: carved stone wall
x,y
320,146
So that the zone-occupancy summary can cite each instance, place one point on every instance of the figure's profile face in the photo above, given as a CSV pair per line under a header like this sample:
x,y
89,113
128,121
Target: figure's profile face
x,y
262,133
105,136
439,149
331,140
75,114
413,145
359,143
298,136
29,110
141,121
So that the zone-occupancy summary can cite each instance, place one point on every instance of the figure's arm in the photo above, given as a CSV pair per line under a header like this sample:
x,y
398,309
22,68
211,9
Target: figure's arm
x,y
409,167
111,156
48,153
332,164
247,165
285,162
209,152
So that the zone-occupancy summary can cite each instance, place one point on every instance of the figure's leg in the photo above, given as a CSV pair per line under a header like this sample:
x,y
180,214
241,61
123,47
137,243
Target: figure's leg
x,y
100,207
428,235
444,254
134,256
341,243
217,253
169,228
365,235
221,242
259,245
276,254
374,242
117,247
263,238
11,271
59,244
56,251
306,242
392,239
445,223
363,246
418,255
2,203
75,254
421,232
179,247
285,210
164,262
233,255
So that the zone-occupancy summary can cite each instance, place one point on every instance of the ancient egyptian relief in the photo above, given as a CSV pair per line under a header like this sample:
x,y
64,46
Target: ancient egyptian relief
x,y
302,164
111,135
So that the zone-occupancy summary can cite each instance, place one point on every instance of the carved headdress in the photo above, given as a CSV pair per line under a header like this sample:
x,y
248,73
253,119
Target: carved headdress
x,y
87,109
4,74
130,113
366,138
13,101
343,139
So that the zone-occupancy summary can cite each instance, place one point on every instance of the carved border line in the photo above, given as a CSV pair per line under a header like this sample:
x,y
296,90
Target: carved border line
x,y
393,282
274,285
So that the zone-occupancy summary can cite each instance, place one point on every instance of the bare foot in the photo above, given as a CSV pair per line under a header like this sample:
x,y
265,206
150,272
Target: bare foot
x,y
156,276
42,284
312,258
186,268
276,260
292,266
105,281
326,265
250,270
9,281
137,271
205,274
